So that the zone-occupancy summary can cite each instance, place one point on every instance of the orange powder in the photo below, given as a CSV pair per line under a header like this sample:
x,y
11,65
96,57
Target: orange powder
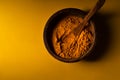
x,y
64,47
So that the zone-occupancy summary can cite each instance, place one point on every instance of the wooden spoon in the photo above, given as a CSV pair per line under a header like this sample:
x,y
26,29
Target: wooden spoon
x,y
77,31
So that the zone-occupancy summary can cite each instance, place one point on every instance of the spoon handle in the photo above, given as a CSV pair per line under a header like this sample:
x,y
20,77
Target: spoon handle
x,y
97,6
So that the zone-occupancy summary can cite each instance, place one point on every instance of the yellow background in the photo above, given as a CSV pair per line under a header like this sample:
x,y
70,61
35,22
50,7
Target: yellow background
x,y
23,55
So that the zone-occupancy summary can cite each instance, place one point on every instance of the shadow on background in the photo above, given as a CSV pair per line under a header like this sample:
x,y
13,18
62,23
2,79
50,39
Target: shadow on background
x,y
103,36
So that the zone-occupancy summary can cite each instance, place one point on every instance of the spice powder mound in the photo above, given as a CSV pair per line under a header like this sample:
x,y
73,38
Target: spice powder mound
x,y
62,47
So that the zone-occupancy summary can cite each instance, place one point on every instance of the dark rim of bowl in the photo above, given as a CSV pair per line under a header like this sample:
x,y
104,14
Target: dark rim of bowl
x,y
52,21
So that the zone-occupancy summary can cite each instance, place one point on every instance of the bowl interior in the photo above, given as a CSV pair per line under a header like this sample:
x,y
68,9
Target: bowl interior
x,y
51,24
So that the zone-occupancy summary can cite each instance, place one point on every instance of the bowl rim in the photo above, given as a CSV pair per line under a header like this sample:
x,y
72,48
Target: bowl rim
x,y
45,36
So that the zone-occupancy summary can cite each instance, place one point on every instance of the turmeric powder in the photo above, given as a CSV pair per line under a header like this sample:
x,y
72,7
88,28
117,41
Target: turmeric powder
x,y
63,47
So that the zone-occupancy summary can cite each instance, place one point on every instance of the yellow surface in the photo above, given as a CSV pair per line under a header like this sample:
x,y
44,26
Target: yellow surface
x,y
23,55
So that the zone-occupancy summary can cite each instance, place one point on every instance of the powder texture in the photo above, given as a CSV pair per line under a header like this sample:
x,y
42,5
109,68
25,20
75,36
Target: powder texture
x,y
68,45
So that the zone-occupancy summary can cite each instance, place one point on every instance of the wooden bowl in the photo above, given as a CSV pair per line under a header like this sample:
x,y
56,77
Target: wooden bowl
x,y
51,24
